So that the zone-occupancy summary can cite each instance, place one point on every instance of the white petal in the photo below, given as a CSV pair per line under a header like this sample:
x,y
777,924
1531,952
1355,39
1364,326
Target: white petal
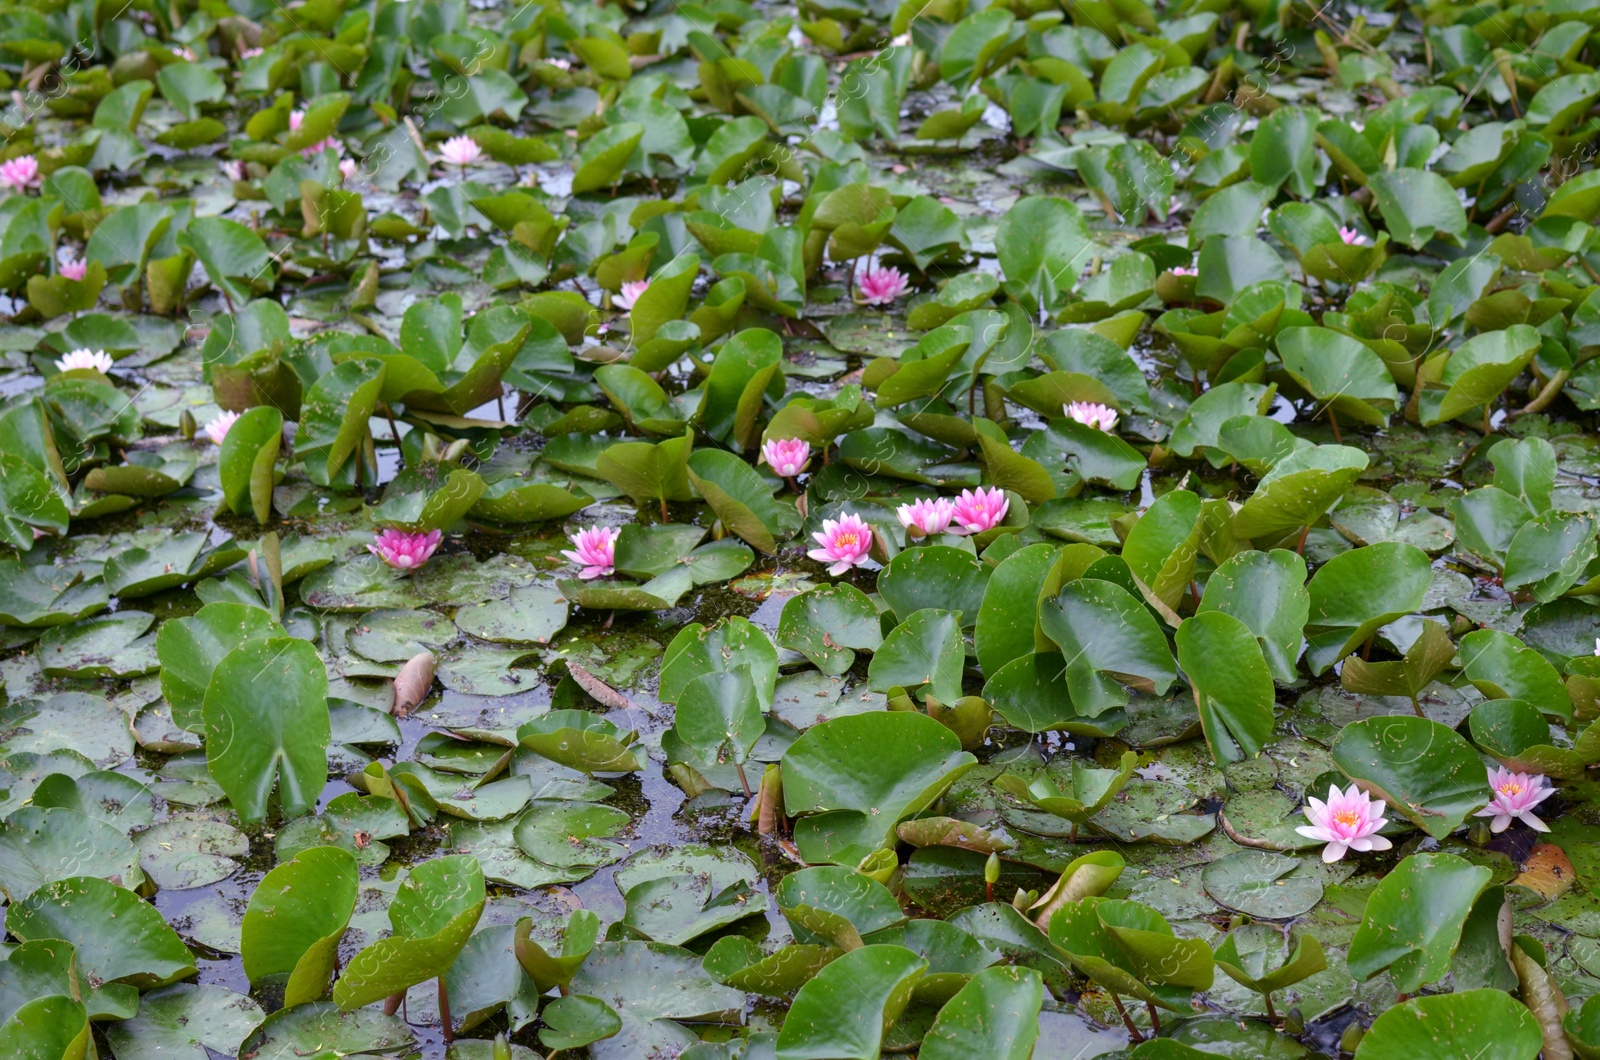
x,y
1333,852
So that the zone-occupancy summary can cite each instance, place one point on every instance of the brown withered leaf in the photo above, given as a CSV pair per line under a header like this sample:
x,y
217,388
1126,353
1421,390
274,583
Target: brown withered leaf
x,y
1548,872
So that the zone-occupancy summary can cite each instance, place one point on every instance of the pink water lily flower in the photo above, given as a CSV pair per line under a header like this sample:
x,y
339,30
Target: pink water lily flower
x,y
233,169
625,298
1093,414
1349,820
461,151
403,550
251,53
1352,237
1515,796
786,456
1185,270
927,516
317,148
560,64
979,510
595,550
882,286
845,543
74,268
347,168
218,428
98,360
297,118
20,173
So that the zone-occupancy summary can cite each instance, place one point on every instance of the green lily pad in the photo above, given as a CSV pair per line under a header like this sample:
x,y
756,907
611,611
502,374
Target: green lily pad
x,y
39,845
295,920
119,937
432,914
852,779
1414,918
186,1020
1422,769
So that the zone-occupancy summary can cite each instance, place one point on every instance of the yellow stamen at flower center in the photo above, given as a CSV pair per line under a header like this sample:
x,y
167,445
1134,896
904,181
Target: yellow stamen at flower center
x,y
1510,787
844,541
1347,818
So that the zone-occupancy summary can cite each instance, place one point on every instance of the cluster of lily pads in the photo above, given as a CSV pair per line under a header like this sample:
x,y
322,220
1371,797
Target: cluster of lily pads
x,y
804,530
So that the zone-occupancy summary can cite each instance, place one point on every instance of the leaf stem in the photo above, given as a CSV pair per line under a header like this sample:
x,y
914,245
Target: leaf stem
x,y
394,432
1126,1019
445,1023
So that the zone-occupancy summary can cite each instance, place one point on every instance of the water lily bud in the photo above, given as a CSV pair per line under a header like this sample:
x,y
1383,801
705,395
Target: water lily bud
x,y
187,426
991,869
453,451
502,1048
1295,1022
412,684
1351,1038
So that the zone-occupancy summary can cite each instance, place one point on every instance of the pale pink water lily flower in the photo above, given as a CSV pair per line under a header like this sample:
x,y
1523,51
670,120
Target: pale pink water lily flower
x,y
927,516
1515,796
1093,414
403,550
98,360
979,510
251,53
297,118
1349,820
74,268
882,286
845,543
1185,270
786,456
218,428
460,151
20,173
233,169
316,149
560,64
625,298
595,550
1352,237
348,168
